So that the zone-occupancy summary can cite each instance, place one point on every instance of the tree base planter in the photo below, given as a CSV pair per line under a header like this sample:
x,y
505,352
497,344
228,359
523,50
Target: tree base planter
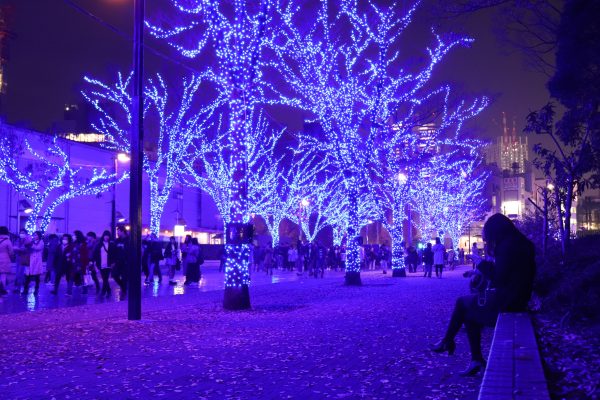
x,y
399,273
236,298
352,279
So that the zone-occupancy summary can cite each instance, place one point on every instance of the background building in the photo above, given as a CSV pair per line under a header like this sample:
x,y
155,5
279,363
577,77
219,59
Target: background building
x,y
188,206
588,213
512,180
510,152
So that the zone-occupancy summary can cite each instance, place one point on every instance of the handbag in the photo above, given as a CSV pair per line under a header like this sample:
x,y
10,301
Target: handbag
x,y
481,286
87,279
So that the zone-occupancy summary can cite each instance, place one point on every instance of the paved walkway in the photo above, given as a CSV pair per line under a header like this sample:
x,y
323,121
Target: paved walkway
x,y
212,279
305,339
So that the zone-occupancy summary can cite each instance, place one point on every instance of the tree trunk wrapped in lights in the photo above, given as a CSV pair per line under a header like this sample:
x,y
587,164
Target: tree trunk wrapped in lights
x,y
344,69
232,37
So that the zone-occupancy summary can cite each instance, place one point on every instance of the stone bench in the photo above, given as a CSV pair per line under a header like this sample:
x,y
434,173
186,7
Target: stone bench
x,y
514,369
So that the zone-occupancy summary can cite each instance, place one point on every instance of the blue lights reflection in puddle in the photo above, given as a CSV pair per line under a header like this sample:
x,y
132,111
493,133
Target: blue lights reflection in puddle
x,y
31,302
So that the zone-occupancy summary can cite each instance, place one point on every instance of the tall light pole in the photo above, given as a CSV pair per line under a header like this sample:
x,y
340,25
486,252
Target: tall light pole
x,y
134,306
121,157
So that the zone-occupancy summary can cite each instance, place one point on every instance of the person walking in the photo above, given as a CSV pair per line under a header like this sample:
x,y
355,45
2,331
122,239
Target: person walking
x,y
6,254
511,275
268,259
104,259
119,270
22,250
36,264
461,256
81,259
258,257
53,247
155,256
172,258
475,257
451,259
194,259
146,259
384,256
332,259
92,267
184,250
292,257
64,264
438,257
427,260
412,259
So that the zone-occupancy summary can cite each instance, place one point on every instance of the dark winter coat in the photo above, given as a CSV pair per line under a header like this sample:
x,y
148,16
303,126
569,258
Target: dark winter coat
x,y
64,258
513,273
428,256
154,250
121,253
112,253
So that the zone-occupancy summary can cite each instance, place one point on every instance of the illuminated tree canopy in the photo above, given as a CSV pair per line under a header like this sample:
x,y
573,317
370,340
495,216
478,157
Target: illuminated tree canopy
x,y
174,119
48,179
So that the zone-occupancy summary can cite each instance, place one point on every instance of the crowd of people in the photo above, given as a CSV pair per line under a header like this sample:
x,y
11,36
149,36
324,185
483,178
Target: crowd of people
x,y
315,258
90,261
501,278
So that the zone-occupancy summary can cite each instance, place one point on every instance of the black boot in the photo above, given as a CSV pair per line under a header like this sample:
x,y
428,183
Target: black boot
x,y
474,368
444,346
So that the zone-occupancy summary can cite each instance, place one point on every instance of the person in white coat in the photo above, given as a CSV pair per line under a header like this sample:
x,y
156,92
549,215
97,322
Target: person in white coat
x,y
36,265
438,257
6,254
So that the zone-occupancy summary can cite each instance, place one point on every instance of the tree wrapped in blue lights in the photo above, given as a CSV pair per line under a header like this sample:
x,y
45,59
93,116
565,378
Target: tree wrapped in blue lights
x,y
296,175
337,216
449,195
458,196
344,69
175,118
318,205
231,38
209,168
49,179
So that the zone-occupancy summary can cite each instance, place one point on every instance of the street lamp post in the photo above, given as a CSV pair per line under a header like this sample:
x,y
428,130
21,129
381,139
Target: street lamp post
x,y
134,309
121,157
303,204
22,206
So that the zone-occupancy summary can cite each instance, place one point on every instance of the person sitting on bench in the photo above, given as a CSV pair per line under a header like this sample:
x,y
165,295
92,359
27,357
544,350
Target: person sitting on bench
x,y
504,285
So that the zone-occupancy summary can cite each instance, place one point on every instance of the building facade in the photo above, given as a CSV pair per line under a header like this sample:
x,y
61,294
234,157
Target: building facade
x,y
186,206
509,152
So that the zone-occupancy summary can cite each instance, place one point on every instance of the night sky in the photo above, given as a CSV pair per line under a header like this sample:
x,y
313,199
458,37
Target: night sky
x,y
55,46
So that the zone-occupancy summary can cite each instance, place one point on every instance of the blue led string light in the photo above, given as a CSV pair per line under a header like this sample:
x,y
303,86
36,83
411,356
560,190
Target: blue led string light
x,y
180,119
51,180
344,70
234,38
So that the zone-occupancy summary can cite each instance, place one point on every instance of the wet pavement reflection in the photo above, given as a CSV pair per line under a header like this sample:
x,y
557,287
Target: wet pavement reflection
x,y
211,280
